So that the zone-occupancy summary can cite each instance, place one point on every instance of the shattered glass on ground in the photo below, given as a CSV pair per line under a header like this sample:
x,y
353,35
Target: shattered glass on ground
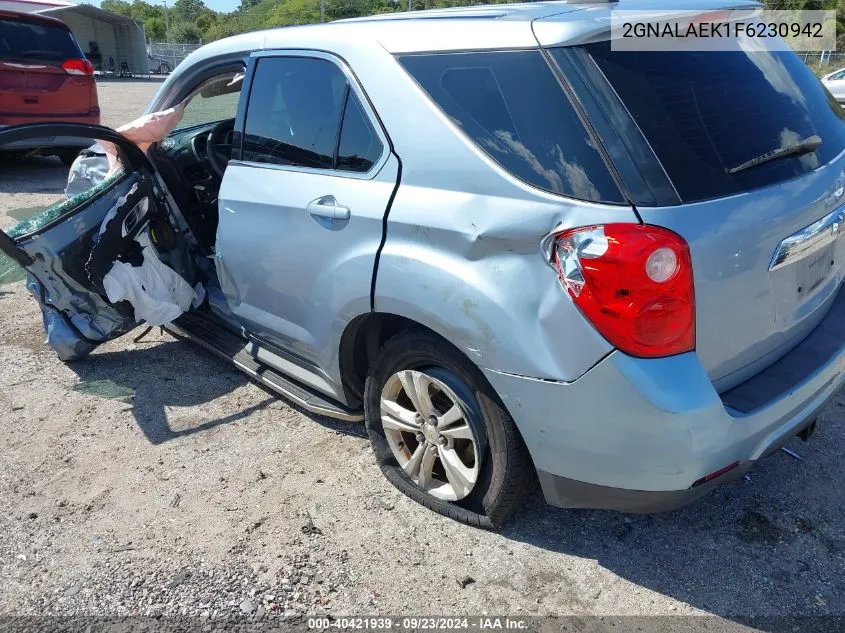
x,y
105,389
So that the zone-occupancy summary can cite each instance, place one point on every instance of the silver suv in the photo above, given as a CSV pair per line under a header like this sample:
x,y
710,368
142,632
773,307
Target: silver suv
x,y
514,252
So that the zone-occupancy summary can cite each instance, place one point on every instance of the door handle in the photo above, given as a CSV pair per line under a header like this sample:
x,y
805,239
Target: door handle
x,y
328,208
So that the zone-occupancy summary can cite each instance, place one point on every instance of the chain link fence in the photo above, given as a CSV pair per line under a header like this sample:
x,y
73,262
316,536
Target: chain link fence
x,y
163,57
824,62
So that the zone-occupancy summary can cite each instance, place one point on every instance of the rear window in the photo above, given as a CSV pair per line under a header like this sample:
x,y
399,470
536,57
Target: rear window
x,y
26,40
512,107
705,113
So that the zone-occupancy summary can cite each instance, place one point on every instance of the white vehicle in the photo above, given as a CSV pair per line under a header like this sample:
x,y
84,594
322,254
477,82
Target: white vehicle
x,y
835,82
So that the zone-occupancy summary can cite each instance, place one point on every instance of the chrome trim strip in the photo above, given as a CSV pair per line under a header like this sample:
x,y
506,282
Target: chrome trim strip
x,y
808,240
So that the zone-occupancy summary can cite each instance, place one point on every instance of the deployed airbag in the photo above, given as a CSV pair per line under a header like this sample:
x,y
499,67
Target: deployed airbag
x,y
144,131
157,293
98,162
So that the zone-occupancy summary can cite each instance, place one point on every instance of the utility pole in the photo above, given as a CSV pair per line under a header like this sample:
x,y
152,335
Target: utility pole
x,y
410,5
166,24
322,11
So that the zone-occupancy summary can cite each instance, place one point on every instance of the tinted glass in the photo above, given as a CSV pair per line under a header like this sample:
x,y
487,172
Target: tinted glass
x,y
359,146
23,40
201,110
512,106
294,111
216,100
706,113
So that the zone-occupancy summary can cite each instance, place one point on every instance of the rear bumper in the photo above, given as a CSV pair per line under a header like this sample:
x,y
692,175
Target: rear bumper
x,y
636,434
569,493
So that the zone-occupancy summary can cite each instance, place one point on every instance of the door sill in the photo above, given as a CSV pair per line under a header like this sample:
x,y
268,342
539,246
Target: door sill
x,y
222,342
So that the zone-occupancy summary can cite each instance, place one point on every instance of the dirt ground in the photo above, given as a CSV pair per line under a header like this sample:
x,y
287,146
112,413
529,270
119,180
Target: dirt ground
x,y
196,491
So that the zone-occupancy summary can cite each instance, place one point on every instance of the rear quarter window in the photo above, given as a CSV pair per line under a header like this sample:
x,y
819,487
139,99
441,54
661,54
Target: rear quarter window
x,y
512,107
32,41
704,113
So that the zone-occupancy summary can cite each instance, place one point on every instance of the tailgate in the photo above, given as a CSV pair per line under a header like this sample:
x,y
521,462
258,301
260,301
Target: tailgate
x,y
42,88
32,77
750,311
753,145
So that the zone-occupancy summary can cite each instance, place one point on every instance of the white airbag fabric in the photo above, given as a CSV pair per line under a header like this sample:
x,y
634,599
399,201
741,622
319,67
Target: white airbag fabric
x,y
157,292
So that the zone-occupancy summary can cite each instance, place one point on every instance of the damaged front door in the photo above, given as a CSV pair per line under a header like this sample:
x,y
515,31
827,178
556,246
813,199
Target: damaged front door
x,y
70,248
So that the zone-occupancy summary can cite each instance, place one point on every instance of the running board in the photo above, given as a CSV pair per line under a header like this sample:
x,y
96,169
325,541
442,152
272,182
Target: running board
x,y
231,347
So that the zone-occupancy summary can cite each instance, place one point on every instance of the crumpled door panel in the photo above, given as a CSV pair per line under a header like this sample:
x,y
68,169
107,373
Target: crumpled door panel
x,y
77,317
69,249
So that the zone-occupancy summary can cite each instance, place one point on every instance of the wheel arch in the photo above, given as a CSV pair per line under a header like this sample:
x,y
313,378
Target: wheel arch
x,y
363,338
360,342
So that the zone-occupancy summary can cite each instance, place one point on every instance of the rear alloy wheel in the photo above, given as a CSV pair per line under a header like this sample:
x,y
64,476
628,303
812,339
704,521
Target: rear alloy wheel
x,y
429,434
440,433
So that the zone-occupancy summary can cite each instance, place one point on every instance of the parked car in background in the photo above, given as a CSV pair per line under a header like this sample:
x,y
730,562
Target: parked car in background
x,y
158,65
835,82
515,253
44,77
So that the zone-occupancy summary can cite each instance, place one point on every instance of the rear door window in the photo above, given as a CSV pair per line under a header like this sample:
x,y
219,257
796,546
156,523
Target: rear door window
x,y
512,107
706,113
359,147
20,39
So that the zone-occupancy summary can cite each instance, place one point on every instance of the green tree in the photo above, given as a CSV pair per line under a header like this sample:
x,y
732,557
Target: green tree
x,y
185,33
246,5
290,12
189,10
155,29
117,6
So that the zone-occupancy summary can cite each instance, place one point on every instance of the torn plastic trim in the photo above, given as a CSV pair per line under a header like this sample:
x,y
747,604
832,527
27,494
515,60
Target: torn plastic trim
x,y
550,380
533,378
174,215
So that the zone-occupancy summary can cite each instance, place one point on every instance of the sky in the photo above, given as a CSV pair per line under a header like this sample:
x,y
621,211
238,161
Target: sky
x,y
225,6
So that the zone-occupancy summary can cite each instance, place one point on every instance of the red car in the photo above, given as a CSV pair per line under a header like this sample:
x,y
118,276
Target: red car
x,y
44,76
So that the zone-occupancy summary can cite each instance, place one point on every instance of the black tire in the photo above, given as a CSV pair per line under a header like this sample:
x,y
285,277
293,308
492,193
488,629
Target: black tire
x,y
67,156
506,474
164,70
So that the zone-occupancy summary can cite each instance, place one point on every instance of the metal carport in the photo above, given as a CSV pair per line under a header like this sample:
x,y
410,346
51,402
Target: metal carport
x,y
119,39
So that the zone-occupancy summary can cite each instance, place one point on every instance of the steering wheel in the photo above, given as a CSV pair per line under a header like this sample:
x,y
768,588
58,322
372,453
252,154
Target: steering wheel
x,y
219,146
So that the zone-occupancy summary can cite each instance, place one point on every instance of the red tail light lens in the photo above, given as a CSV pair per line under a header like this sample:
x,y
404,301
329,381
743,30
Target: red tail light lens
x,y
78,67
634,284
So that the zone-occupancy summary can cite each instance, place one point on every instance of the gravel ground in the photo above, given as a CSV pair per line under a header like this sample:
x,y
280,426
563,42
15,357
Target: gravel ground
x,y
198,492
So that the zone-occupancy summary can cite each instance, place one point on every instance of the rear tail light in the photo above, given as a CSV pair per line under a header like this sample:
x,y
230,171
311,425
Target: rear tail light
x,y
634,284
78,67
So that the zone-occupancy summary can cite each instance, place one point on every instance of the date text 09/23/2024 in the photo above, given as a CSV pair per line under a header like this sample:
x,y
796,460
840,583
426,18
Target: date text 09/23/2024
x,y
417,623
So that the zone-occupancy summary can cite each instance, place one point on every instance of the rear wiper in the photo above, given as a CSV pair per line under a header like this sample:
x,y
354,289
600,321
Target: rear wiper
x,y
809,144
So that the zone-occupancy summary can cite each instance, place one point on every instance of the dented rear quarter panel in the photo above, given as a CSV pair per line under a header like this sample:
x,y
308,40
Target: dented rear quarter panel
x,y
462,253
